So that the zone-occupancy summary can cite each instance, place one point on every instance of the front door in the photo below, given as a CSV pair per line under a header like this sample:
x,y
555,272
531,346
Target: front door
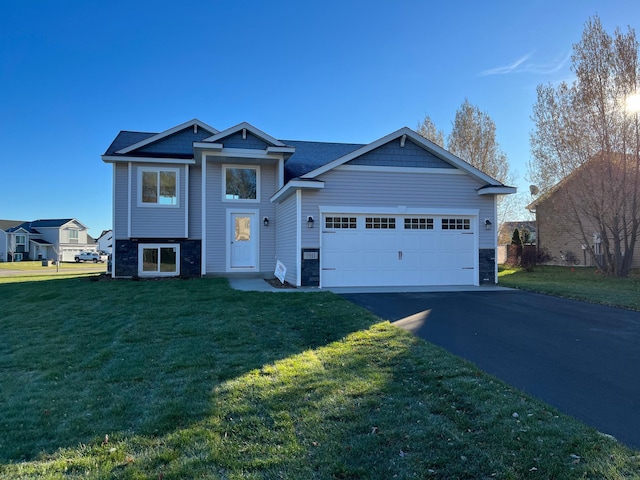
x,y
243,241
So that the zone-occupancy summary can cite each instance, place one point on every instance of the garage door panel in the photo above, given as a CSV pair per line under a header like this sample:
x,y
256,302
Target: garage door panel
x,y
397,256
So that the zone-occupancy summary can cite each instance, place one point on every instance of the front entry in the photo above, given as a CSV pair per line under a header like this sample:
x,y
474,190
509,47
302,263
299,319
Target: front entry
x,y
243,240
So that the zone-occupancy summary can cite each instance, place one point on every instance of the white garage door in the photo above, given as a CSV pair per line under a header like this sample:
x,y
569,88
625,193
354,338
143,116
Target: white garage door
x,y
398,250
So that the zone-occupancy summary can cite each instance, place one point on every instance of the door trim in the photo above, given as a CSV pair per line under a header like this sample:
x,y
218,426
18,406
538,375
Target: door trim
x,y
255,235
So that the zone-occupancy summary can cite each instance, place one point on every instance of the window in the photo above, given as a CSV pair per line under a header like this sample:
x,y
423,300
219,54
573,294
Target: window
x,y
456,224
340,222
158,260
21,240
241,183
380,223
418,223
73,236
159,186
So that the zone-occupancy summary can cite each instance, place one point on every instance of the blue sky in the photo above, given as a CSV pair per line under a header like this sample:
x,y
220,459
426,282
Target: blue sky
x,y
73,74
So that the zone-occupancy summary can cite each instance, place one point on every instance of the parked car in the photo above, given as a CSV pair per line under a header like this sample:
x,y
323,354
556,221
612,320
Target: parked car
x,y
94,257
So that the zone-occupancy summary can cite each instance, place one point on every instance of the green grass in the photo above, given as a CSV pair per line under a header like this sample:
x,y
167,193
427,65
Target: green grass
x,y
191,379
580,283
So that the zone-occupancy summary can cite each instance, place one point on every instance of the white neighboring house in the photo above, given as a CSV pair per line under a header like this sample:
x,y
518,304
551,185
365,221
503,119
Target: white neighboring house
x,y
105,241
44,239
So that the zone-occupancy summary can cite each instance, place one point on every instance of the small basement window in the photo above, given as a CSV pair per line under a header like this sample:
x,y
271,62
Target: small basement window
x,y
158,260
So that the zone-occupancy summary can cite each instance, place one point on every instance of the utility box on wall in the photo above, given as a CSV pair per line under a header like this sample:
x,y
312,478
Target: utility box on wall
x,y
310,271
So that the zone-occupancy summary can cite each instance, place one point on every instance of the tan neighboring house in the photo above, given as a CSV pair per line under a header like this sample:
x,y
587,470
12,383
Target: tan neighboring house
x,y
557,229
44,239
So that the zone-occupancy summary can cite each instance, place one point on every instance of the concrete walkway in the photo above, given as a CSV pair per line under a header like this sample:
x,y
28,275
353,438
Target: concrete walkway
x,y
260,285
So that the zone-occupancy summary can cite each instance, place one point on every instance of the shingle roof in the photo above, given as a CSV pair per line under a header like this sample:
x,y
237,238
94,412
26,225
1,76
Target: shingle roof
x,y
32,227
307,157
125,139
7,224
311,155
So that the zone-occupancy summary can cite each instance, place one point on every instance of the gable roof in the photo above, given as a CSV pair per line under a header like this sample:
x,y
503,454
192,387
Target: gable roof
x,y
7,224
32,227
304,160
312,155
403,134
195,123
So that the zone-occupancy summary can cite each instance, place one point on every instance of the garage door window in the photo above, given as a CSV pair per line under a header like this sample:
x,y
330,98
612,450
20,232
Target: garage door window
x,y
418,223
456,224
380,223
340,222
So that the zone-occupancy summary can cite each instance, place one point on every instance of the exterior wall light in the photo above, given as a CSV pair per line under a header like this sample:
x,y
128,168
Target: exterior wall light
x,y
487,224
310,221
265,221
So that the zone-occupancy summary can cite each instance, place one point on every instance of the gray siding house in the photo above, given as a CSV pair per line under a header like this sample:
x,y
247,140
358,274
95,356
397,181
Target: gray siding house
x,y
47,239
193,201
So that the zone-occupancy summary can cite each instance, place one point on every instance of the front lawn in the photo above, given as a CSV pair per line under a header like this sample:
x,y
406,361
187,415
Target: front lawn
x,y
191,379
580,283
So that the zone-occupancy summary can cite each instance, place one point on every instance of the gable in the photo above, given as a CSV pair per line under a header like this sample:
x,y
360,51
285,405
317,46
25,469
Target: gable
x,y
179,144
250,141
400,154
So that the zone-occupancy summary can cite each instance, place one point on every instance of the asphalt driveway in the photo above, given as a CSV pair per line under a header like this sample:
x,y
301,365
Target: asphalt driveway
x,y
583,359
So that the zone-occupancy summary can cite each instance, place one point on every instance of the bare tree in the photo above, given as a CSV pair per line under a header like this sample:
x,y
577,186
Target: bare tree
x,y
428,130
586,145
473,138
11,246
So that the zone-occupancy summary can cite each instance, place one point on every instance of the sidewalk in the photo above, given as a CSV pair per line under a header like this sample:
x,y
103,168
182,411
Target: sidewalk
x,y
260,285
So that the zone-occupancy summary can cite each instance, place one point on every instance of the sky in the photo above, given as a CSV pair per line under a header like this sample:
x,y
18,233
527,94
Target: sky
x,y
75,73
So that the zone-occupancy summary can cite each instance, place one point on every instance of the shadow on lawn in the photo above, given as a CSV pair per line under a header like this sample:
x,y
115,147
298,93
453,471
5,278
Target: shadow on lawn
x,y
80,359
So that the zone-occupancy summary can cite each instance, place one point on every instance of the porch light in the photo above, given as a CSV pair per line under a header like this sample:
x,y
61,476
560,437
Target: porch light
x,y
487,224
310,221
265,221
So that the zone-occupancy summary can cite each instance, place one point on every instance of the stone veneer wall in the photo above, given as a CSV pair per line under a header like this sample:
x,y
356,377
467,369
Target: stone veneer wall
x,y
487,265
126,256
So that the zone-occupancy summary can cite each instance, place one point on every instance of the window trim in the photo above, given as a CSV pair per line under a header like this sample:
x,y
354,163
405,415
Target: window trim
x,y
77,237
158,246
142,170
225,167
20,235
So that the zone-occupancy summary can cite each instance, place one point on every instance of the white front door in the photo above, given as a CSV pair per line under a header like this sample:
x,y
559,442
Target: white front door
x,y
243,241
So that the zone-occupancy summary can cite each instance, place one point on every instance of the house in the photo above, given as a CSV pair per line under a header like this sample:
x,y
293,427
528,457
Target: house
x,y
193,200
44,239
105,241
527,231
595,196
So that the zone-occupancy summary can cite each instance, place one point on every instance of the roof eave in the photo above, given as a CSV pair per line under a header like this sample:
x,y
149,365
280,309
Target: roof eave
x,y
296,184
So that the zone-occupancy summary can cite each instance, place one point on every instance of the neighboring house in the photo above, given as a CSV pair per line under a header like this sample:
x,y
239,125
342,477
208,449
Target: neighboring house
x,y
45,239
506,236
507,229
7,241
193,200
105,241
558,232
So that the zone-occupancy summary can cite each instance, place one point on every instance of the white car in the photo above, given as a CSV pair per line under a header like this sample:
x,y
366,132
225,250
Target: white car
x,y
94,257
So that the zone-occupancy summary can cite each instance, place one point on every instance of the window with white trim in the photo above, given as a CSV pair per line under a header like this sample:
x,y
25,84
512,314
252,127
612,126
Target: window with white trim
x,y
241,183
21,240
73,236
158,186
340,222
456,224
158,260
